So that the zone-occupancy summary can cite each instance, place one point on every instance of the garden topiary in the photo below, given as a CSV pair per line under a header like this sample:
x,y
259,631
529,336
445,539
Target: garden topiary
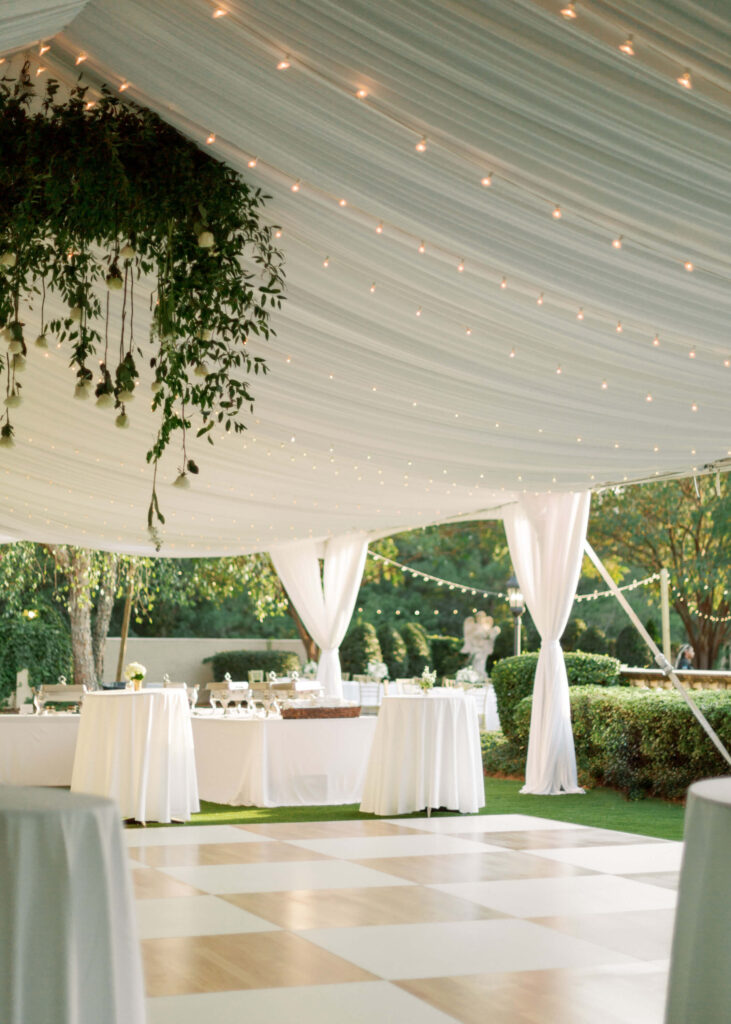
x,y
447,658
360,645
570,636
418,648
239,663
393,650
631,649
594,640
513,679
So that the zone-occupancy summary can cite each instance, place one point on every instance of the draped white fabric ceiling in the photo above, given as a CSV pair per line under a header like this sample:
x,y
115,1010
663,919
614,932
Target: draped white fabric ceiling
x,y
373,417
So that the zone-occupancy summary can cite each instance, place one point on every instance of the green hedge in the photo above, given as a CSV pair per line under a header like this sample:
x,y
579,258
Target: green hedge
x,y
418,648
239,663
393,649
643,742
513,679
445,654
42,645
360,645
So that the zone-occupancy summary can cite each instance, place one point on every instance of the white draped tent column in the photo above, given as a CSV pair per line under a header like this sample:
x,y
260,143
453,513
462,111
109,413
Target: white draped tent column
x,y
546,534
324,600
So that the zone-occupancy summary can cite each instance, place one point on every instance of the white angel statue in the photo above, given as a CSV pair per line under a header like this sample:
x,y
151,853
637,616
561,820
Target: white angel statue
x,y
480,634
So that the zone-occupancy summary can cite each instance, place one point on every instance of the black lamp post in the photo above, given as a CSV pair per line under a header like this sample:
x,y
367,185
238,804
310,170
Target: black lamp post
x,y
517,607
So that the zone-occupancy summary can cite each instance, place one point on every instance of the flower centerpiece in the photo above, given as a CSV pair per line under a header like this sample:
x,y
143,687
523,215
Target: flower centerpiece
x,y
134,673
467,677
377,671
427,679
309,670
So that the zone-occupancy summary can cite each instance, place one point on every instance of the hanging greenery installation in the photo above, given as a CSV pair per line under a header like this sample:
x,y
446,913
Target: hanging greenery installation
x,y
111,210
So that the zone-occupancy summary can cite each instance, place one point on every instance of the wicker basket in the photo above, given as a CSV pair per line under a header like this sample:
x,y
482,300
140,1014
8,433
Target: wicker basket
x,y
353,712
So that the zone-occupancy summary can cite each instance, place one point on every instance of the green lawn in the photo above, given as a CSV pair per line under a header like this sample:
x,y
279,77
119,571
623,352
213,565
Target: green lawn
x,y
602,808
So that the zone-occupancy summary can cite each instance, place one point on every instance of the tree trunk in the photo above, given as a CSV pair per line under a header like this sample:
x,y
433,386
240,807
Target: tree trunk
x,y
125,622
104,608
76,565
311,649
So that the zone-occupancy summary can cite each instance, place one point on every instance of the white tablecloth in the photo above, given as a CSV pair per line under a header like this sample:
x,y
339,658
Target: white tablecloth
x,y
426,753
138,749
37,750
282,763
700,978
68,941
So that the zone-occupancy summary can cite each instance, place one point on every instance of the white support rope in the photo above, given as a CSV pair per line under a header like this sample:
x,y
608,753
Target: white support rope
x,y
662,661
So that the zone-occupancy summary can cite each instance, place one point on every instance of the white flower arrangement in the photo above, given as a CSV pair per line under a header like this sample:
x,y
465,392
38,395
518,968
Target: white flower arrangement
x,y
428,679
468,676
377,670
134,671
309,670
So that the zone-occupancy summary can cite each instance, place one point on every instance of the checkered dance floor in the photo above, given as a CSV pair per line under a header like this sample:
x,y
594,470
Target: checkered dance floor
x,y
502,918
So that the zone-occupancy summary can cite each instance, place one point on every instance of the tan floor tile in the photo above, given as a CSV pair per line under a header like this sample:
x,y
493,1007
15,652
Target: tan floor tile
x,y
328,829
436,869
645,934
665,879
558,839
349,908
154,885
616,995
214,963
197,855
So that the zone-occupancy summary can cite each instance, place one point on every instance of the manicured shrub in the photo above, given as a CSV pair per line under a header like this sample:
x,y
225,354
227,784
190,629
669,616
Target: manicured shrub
x,y
631,649
500,756
594,641
570,636
393,650
513,679
418,648
445,654
239,663
42,645
643,742
360,645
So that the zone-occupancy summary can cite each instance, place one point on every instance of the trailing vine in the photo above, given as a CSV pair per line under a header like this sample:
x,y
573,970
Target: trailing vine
x,y
98,198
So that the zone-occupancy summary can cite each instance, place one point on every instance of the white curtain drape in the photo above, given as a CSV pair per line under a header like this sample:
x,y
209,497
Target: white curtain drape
x,y
324,601
546,534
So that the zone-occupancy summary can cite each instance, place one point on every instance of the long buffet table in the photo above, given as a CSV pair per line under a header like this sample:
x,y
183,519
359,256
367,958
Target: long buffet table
x,y
259,762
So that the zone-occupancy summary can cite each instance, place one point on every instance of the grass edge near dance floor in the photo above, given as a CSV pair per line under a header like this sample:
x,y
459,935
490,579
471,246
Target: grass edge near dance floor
x,y
599,808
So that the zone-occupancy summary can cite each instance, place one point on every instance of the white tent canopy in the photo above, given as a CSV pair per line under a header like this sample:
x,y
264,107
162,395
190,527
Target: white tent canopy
x,y
373,418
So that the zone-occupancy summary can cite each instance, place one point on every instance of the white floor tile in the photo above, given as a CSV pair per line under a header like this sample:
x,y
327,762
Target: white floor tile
x,y
547,897
186,835
195,915
620,860
358,847
464,823
466,947
360,1002
282,876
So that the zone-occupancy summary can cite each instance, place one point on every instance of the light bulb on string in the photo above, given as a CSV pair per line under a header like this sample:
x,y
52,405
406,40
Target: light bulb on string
x,y
422,248
278,233
617,242
568,11
627,47
468,332
81,58
326,262
219,12
504,282
41,68
284,64
648,397
342,202
124,86
619,327
487,180
418,312
580,314
685,80
604,385
691,354
379,228
556,214
372,288
420,146
296,186
656,341
511,356
539,300
43,48
559,371
694,407
210,138
361,94
689,266
252,161
460,267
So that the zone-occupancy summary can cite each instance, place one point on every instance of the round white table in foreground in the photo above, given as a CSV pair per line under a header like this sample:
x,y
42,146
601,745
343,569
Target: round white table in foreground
x,y
425,754
69,952
137,747
700,980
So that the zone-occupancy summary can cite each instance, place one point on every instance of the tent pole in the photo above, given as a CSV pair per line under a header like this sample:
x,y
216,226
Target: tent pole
x,y
665,611
660,658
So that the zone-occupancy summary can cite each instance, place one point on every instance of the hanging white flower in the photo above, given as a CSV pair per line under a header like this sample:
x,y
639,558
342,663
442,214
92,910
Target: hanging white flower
x,y
75,313
206,240
127,252
122,421
8,259
182,481
41,341
105,400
